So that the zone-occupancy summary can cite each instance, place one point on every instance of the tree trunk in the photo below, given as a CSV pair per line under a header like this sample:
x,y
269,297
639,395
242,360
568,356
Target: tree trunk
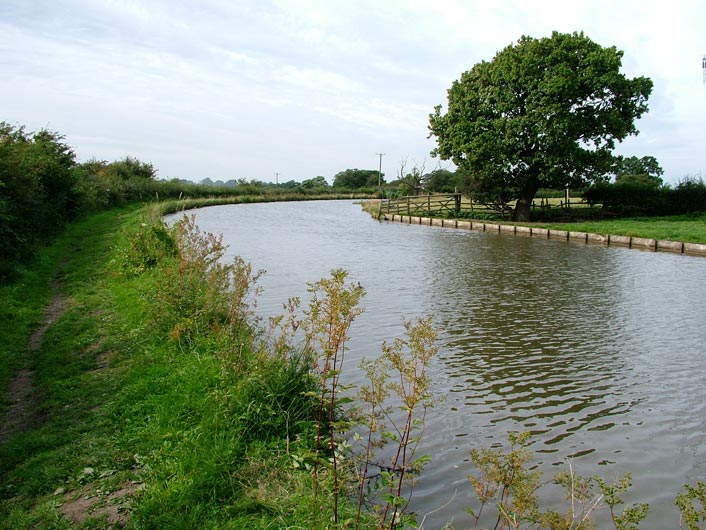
x,y
523,206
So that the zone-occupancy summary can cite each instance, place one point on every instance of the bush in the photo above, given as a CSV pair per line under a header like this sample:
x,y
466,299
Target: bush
x,y
37,191
631,198
273,399
690,195
147,247
197,293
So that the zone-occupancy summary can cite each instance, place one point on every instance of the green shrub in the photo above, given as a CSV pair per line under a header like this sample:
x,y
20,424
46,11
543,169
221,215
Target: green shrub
x,y
196,293
272,400
507,480
692,505
629,198
146,247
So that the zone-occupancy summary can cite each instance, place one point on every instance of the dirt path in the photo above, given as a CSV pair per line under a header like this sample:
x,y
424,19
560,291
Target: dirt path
x,y
24,412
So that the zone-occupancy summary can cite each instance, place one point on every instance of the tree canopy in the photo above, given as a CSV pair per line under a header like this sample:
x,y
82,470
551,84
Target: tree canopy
x,y
440,181
42,186
645,170
544,113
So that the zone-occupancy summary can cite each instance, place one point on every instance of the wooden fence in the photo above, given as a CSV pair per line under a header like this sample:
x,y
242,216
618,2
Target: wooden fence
x,y
430,205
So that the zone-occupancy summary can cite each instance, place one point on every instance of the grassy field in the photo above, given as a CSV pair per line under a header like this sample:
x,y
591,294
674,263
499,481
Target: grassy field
x,y
686,228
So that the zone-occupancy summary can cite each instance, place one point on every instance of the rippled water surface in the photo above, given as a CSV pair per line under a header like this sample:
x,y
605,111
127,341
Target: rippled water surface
x,y
599,352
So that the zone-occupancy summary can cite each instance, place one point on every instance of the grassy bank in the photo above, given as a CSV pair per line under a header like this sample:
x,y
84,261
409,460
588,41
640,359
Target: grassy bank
x,y
172,206
159,403
133,428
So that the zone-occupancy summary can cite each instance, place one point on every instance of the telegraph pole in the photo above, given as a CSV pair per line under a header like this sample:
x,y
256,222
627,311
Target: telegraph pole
x,y
703,67
380,170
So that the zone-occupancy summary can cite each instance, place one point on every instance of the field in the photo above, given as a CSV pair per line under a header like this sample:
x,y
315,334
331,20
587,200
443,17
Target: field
x,y
552,213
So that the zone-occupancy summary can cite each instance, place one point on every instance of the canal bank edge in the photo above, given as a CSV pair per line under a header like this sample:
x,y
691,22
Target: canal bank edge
x,y
641,243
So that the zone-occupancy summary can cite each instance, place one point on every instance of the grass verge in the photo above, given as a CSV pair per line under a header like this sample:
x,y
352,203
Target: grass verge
x,y
144,427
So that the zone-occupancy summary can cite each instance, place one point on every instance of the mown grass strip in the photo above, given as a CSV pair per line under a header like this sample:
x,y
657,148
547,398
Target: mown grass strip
x,y
686,228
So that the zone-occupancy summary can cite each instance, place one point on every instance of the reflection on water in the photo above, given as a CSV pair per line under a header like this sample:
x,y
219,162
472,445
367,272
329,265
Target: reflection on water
x,y
537,345
599,352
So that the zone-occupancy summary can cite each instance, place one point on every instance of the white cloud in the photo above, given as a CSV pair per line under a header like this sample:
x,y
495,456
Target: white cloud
x,y
316,79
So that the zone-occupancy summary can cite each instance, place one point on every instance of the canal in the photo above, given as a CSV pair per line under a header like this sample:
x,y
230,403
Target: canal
x,y
599,352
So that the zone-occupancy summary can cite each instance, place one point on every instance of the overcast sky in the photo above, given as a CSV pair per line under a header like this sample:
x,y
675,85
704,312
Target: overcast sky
x,y
250,88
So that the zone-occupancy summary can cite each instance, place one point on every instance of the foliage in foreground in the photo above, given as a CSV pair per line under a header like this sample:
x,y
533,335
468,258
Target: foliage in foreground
x,y
202,305
339,471
506,480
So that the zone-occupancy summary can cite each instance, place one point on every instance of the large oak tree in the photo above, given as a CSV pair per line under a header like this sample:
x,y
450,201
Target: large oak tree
x,y
544,113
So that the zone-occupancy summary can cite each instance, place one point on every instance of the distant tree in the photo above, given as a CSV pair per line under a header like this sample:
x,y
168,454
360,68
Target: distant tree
x,y
357,178
316,182
131,168
175,180
289,185
440,181
544,113
206,182
645,170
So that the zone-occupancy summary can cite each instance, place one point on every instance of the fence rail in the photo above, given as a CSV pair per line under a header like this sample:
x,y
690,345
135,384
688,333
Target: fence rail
x,y
452,205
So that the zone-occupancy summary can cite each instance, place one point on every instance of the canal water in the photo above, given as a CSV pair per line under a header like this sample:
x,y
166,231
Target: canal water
x,y
599,352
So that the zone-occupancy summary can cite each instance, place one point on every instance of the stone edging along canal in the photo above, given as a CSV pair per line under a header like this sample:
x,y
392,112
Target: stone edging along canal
x,y
642,243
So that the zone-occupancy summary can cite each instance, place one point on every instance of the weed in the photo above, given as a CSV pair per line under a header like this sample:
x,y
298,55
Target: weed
x,y
396,401
692,505
396,398
332,309
506,479
146,247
